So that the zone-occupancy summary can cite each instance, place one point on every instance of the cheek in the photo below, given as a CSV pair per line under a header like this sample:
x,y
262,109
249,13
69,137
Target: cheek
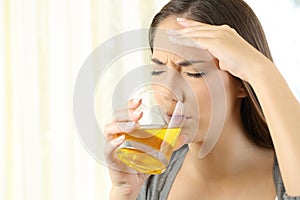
x,y
210,93
205,107
199,110
198,100
204,101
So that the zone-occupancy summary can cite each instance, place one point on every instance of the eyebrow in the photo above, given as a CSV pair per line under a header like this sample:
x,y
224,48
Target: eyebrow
x,y
182,64
156,61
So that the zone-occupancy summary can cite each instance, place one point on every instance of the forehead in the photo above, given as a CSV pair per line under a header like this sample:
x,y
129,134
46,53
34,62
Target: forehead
x,y
163,47
169,23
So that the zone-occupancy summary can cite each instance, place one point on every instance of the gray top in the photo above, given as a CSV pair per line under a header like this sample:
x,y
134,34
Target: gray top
x,y
157,187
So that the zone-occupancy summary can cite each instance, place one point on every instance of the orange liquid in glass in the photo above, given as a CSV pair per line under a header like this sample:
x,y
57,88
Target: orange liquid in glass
x,y
160,140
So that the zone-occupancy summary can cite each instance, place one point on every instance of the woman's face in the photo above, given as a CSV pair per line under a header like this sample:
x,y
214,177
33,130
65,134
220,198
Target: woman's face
x,y
210,96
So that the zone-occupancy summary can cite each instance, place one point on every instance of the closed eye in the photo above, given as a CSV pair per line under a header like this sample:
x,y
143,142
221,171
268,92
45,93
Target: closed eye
x,y
195,75
156,73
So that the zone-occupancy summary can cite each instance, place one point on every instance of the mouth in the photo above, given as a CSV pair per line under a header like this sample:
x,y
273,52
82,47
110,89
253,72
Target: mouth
x,y
177,118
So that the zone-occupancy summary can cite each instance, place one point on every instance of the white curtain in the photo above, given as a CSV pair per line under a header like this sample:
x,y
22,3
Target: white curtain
x,y
43,44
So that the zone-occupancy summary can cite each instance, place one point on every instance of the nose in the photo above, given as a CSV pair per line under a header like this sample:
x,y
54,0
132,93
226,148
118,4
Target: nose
x,y
172,93
172,85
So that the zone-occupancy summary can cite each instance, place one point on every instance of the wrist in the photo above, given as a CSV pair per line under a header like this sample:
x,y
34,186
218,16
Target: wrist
x,y
123,193
261,70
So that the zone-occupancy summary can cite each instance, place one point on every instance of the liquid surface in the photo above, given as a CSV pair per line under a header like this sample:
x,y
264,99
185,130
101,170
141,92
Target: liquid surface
x,y
160,142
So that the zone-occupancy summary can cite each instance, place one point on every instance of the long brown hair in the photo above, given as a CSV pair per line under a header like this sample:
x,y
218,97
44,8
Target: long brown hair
x,y
239,16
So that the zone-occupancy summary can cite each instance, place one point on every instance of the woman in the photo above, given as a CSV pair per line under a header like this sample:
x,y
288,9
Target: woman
x,y
258,153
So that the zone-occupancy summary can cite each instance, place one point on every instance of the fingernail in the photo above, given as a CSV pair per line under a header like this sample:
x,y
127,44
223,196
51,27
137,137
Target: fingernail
x,y
172,38
130,124
127,127
180,19
137,112
136,100
120,139
172,32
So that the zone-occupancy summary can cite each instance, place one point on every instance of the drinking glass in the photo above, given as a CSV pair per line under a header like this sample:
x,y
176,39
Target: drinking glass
x,y
149,147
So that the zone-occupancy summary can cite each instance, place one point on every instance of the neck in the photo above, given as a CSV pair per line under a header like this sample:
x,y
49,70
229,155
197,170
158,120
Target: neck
x,y
233,155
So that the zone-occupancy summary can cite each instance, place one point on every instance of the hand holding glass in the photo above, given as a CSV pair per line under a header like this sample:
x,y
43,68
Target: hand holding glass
x,y
149,147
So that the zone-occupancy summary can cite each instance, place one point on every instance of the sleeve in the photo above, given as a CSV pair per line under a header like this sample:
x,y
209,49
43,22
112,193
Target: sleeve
x,y
280,190
157,187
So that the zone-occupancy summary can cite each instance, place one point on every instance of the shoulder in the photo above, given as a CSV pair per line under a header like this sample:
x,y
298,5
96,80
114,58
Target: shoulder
x,y
158,186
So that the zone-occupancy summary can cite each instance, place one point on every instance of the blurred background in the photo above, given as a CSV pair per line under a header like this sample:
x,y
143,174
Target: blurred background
x,y
43,44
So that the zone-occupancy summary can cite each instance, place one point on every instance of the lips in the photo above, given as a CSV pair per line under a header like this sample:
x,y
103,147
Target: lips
x,y
177,119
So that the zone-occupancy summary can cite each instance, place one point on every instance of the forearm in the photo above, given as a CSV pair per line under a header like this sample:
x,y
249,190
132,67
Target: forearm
x,y
282,112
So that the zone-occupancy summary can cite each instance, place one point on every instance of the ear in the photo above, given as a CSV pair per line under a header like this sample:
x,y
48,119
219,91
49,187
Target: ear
x,y
241,93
